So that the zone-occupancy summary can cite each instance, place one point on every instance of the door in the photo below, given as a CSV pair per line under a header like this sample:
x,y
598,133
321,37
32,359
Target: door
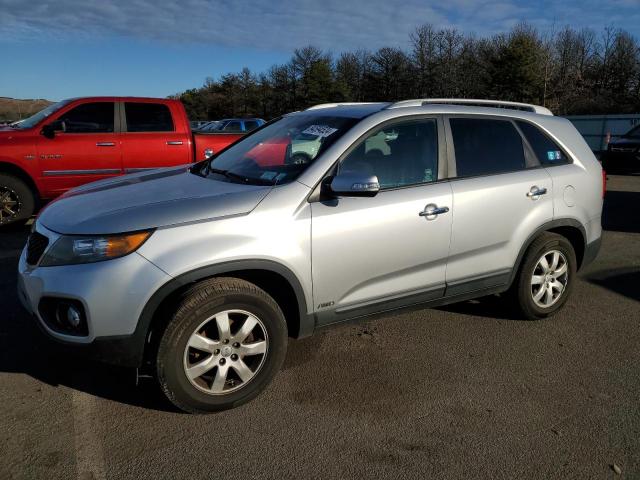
x,y
85,148
151,139
501,195
378,253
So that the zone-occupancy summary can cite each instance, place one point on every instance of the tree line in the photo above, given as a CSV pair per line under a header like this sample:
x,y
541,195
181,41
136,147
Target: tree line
x,y
569,71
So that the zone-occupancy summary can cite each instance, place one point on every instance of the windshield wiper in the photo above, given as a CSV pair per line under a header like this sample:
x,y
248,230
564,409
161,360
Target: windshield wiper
x,y
236,176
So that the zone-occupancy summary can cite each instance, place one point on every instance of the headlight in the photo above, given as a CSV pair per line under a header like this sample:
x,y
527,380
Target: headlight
x,y
74,249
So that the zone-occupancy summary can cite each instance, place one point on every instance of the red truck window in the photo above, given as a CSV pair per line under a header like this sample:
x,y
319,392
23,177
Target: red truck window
x,y
88,118
148,117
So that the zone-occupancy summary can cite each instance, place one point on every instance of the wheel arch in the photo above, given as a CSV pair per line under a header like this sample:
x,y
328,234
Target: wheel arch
x,y
276,279
19,172
569,228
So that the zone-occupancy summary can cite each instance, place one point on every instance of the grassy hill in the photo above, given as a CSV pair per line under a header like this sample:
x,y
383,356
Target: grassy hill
x,y
15,109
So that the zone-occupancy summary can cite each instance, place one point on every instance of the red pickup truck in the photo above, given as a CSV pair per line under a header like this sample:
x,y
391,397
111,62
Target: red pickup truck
x,y
81,140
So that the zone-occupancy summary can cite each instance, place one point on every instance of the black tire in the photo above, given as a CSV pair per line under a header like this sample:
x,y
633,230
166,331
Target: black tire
x,y
300,159
521,290
199,303
16,190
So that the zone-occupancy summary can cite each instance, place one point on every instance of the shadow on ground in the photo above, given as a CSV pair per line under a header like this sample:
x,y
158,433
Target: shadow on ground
x,y
621,212
625,282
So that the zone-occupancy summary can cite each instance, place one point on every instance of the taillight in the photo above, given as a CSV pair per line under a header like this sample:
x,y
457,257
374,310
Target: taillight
x,y
604,183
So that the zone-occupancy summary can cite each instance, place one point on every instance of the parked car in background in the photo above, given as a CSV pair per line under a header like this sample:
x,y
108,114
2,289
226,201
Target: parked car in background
x,y
197,124
623,153
234,125
199,274
207,126
81,140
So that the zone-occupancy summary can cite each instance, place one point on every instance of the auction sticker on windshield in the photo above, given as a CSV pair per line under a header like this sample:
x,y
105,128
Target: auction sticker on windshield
x,y
319,130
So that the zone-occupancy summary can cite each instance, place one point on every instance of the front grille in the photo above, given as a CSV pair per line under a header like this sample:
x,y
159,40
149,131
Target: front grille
x,y
36,246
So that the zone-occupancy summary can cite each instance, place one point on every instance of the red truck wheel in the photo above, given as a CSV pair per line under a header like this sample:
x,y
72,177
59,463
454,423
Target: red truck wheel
x,y
17,201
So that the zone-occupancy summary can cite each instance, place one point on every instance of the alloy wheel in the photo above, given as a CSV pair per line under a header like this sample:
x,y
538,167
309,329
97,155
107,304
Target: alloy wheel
x,y
9,204
225,352
549,279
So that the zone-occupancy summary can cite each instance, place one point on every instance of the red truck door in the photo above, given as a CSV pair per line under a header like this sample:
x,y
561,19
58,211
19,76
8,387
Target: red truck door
x,y
153,136
84,148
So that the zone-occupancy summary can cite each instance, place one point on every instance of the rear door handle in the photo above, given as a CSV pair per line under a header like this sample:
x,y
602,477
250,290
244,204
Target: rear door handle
x,y
432,210
174,142
106,144
535,192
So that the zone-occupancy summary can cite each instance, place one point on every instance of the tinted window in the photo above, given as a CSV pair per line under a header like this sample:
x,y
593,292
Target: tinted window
x,y
233,127
633,133
546,150
250,125
89,118
148,117
485,147
399,154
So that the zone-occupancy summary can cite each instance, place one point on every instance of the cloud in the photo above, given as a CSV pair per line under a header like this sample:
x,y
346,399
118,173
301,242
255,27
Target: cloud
x,y
279,25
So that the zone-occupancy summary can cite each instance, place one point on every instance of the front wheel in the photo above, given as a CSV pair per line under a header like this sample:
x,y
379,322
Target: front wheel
x,y
546,276
224,344
17,201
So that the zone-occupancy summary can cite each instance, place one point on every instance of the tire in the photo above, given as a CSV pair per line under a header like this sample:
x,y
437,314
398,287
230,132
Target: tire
x,y
17,201
224,382
300,159
533,280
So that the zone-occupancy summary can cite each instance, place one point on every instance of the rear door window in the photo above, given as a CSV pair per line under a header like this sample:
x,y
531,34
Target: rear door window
x,y
89,118
486,146
233,127
250,125
546,150
148,117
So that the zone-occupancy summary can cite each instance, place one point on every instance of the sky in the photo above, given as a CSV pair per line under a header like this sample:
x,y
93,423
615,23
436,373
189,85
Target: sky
x,y
70,48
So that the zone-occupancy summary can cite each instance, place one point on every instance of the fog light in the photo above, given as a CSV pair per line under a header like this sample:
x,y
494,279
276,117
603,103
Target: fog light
x,y
64,315
73,316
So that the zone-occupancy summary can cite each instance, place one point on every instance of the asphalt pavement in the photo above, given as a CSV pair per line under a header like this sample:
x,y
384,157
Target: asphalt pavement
x,y
463,391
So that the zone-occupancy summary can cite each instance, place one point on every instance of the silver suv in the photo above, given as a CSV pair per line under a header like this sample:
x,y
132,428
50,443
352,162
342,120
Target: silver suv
x,y
202,272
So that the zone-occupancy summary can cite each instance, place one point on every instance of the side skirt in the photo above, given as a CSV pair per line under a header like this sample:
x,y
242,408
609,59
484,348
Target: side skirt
x,y
458,292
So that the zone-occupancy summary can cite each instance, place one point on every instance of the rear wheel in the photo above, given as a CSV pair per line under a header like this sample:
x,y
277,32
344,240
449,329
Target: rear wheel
x,y
224,344
17,201
546,276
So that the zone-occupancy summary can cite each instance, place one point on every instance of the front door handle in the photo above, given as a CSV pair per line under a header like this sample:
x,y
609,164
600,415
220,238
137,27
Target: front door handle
x,y
535,192
431,211
105,144
174,142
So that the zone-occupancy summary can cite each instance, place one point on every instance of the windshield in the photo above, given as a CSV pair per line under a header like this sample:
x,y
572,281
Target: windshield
x,y
41,115
633,133
278,152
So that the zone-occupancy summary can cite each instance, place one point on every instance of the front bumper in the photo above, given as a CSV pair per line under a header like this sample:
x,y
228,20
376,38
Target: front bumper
x,y
113,294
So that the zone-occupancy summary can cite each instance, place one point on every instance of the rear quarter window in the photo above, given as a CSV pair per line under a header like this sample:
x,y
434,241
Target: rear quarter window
x,y
547,151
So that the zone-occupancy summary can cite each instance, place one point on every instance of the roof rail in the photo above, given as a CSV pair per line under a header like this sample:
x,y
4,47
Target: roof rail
x,y
343,104
526,107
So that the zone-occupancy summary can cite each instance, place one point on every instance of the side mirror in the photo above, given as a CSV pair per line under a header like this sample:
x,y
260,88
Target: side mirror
x,y
354,185
49,130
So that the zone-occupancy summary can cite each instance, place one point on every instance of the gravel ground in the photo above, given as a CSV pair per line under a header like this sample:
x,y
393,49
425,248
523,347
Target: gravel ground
x,y
457,392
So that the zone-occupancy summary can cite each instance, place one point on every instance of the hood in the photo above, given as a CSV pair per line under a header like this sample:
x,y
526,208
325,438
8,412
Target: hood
x,y
625,141
148,200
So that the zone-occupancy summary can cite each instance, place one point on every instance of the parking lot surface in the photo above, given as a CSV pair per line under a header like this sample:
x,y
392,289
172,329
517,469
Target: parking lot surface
x,y
463,391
